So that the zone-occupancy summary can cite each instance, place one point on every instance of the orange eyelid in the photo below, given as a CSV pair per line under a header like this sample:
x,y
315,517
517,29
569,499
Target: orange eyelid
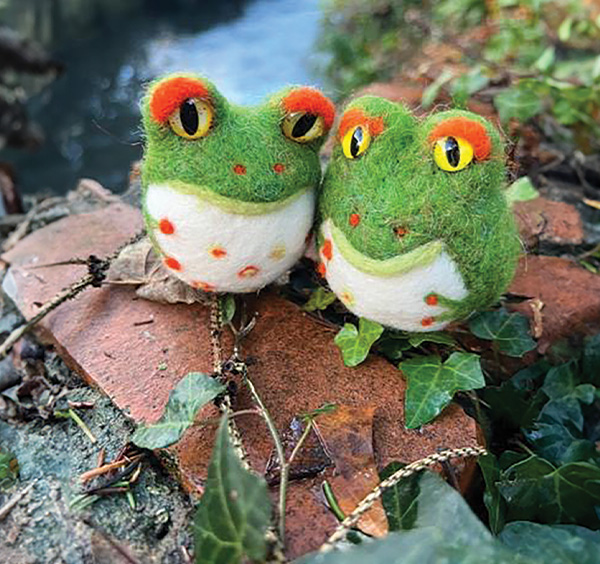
x,y
310,100
169,95
469,130
355,117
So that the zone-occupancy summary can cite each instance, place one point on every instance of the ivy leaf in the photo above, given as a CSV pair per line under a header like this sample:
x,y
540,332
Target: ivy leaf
x,y
536,490
400,501
235,510
494,502
559,544
354,343
417,339
432,384
518,102
320,299
521,190
508,331
446,530
191,393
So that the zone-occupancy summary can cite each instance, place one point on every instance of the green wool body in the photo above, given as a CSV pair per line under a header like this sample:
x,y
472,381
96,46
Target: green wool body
x,y
415,212
229,191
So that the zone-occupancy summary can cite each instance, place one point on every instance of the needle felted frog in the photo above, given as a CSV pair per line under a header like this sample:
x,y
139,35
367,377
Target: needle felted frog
x,y
415,230
229,191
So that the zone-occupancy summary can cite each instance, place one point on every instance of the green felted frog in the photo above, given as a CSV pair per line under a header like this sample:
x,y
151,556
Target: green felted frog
x,y
229,191
415,230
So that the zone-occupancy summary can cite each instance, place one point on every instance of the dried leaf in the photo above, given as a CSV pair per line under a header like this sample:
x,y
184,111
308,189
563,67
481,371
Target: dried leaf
x,y
138,265
347,434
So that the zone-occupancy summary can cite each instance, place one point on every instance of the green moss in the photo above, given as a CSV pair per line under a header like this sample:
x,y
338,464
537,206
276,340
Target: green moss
x,y
397,184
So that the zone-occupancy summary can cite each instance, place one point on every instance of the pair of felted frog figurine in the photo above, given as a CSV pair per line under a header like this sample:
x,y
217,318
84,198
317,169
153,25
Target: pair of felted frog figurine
x,y
413,228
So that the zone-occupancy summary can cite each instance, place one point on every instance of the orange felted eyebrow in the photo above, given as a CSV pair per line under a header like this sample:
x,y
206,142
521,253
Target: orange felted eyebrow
x,y
355,117
169,95
469,130
309,100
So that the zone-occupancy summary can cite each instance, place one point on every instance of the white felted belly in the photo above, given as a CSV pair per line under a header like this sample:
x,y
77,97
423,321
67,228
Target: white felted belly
x,y
397,300
217,250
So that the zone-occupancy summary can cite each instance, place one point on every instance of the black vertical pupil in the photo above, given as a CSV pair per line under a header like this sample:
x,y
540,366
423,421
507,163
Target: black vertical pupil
x,y
356,141
304,125
452,151
188,113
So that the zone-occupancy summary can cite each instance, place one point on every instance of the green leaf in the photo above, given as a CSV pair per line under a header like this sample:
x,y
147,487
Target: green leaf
x,y
509,331
546,60
400,501
467,84
354,343
538,491
191,393
320,299
564,30
446,530
227,303
519,103
234,512
432,384
521,190
590,364
431,92
417,339
9,469
559,544
494,502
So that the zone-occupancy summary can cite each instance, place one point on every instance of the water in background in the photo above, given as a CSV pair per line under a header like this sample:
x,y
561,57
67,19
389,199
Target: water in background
x,y
90,115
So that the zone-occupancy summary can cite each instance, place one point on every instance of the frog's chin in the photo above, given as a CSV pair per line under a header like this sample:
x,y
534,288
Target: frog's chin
x,y
233,205
418,257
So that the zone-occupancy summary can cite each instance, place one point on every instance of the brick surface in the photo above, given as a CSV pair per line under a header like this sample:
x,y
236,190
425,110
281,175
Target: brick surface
x,y
136,351
570,297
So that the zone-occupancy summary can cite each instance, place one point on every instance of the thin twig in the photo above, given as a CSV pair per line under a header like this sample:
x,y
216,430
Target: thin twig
x,y
73,415
9,505
108,468
280,454
367,502
98,269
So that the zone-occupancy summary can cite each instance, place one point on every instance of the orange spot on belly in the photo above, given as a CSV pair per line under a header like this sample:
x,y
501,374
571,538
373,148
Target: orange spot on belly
x,y
327,249
204,286
173,264
249,271
278,168
354,219
277,253
431,300
347,297
166,227
427,321
401,231
239,169
218,252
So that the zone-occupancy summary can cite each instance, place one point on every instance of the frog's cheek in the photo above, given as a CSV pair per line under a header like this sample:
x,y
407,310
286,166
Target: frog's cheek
x,y
217,249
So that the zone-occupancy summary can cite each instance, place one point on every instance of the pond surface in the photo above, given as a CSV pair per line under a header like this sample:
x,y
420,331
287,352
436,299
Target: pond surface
x,y
90,115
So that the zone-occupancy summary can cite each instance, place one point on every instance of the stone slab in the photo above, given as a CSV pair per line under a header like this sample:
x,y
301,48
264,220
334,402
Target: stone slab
x,y
136,351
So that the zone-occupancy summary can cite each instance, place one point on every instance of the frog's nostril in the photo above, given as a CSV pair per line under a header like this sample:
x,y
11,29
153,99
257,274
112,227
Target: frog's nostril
x,y
239,169
278,168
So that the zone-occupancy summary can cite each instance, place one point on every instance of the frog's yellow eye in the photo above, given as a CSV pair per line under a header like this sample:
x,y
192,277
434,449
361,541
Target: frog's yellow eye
x,y
192,119
356,142
452,153
303,127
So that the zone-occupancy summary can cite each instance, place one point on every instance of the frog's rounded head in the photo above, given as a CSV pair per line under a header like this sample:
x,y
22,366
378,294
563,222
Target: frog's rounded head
x,y
196,139
400,191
